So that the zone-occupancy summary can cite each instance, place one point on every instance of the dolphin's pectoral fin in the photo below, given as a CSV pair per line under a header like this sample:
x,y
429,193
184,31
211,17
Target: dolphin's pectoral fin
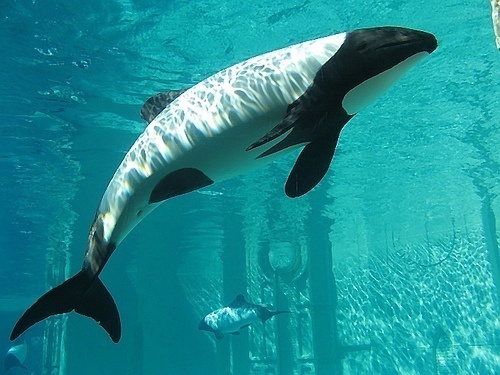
x,y
179,182
219,335
298,117
235,333
154,105
312,164
80,293
280,129
302,116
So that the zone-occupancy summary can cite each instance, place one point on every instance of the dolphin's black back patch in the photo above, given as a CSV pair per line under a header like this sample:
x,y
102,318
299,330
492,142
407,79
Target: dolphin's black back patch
x,y
158,103
179,182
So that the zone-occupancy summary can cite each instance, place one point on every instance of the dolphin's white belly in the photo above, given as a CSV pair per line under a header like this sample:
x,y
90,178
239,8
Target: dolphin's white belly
x,y
210,126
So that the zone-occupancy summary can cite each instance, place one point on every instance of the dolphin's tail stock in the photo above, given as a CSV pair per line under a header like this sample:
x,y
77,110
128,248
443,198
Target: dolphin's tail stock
x,y
264,314
84,293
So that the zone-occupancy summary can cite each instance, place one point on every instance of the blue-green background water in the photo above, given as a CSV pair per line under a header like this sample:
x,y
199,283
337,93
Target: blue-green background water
x,y
389,266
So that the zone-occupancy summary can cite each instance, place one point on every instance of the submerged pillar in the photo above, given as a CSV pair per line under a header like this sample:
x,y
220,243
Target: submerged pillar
x,y
327,351
232,355
271,274
491,239
54,343
290,268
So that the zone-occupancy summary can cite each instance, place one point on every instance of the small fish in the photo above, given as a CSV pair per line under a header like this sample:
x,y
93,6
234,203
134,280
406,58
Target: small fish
x,y
237,315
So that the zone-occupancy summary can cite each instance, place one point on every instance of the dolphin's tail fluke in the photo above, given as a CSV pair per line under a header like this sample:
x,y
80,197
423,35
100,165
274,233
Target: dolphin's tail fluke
x,y
265,314
83,293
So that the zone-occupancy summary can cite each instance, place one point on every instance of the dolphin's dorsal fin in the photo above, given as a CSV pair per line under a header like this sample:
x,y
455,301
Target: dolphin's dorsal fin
x,y
238,301
158,103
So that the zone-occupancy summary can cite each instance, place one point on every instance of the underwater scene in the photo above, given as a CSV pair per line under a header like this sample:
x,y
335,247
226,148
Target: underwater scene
x,y
219,187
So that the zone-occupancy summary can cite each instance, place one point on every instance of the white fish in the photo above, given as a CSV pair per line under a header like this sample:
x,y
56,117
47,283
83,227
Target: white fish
x,y
237,315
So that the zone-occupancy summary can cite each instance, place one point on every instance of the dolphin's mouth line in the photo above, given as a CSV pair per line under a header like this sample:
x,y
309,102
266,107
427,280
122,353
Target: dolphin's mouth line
x,y
398,44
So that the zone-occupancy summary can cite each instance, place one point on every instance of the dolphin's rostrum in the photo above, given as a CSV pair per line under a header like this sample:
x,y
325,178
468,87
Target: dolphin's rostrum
x,y
241,117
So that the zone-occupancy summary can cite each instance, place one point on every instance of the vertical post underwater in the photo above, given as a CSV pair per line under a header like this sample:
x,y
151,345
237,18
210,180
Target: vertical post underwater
x,y
271,257
54,343
491,239
284,341
323,295
232,353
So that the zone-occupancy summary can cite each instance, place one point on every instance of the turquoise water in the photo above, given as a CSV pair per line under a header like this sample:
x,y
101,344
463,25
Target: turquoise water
x,y
389,266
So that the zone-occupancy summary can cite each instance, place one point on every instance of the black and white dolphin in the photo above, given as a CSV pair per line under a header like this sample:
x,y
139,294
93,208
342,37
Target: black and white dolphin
x,y
241,117
237,315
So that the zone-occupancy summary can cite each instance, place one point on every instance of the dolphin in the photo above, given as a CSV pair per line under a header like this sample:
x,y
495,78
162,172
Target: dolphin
x,y
237,119
237,315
